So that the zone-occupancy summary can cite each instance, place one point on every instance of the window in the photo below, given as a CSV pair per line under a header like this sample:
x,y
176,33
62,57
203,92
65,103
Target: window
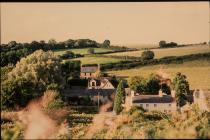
x,y
155,105
93,84
147,105
90,74
85,74
165,111
169,105
169,110
141,105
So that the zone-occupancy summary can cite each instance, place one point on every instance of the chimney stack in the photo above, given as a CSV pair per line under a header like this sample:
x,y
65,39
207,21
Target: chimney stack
x,y
160,93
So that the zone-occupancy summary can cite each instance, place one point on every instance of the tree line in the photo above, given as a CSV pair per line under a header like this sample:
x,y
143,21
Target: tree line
x,y
13,51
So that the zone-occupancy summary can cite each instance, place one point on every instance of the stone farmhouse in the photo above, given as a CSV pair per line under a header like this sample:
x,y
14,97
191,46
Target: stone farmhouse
x,y
161,102
89,71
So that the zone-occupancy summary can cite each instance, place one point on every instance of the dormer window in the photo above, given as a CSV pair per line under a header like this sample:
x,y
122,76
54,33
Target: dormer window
x,y
93,84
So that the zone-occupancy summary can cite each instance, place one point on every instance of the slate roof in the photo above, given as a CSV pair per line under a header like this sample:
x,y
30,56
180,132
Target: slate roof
x,y
88,92
89,68
152,99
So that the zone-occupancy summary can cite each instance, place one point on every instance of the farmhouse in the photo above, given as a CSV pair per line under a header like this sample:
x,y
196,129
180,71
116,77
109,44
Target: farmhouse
x,y
160,102
89,71
98,89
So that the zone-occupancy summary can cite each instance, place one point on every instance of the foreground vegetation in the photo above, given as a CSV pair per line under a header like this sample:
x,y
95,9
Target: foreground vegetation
x,y
135,123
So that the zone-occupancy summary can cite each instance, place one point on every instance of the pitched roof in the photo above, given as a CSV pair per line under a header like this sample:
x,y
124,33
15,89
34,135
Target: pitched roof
x,y
89,68
101,80
152,99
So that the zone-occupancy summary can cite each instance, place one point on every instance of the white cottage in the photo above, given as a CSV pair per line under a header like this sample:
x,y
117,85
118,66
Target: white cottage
x,y
160,102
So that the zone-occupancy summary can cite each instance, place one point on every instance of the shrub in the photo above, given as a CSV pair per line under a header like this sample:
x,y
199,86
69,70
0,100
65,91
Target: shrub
x,y
51,100
147,55
91,51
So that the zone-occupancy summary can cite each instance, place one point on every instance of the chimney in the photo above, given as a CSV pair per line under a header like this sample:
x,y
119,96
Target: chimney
x,y
173,93
160,93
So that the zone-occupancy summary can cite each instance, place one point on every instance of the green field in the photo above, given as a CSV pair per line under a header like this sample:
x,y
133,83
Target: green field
x,y
97,60
197,72
141,46
159,53
82,50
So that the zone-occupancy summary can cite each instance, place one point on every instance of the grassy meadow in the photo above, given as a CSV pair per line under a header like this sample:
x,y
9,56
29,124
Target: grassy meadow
x,y
197,72
159,53
81,50
96,60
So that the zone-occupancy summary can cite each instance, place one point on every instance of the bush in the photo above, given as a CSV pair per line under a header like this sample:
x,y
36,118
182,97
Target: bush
x,y
91,51
51,100
147,55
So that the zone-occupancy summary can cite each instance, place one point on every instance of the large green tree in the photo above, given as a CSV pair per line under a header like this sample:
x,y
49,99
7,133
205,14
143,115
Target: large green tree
x,y
181,86
147,55
118,98
153,84
137,83
33,74
106,44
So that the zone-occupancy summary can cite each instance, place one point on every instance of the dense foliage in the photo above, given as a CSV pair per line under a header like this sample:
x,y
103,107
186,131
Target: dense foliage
x,y
31,76
150,85
106,44
163,44
118,99
147,55
13,51
70,55
181,86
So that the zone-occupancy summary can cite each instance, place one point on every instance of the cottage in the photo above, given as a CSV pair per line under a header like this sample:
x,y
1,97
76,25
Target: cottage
x,y
98,89
160,102
89,71
202,99
102,83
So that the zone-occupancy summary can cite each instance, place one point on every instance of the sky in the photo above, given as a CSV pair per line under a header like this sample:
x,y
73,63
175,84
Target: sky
x,y
123,23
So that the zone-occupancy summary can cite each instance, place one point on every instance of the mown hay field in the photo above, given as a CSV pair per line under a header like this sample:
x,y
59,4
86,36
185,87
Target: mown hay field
x,y
97,60
197,72
81,50
159,53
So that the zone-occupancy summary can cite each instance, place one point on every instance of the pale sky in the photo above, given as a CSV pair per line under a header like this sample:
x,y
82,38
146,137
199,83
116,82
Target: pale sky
x,y
121,23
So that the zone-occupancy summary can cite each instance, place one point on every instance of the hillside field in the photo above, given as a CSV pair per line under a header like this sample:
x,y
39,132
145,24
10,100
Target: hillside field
x,y
96,60
197,72
81,50
159,53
